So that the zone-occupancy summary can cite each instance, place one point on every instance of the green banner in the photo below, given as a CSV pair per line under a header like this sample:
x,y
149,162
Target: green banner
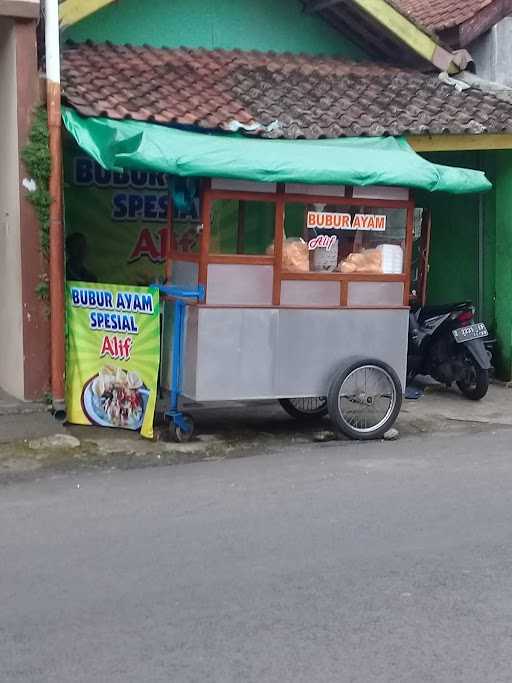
x,y
116,222
113,355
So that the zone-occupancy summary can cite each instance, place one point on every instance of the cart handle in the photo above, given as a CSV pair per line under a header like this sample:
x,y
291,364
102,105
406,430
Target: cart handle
x,y
179,293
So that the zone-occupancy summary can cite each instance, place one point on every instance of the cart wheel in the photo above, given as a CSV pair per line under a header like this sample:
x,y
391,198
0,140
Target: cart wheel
x,y
364,399
179,433
311,408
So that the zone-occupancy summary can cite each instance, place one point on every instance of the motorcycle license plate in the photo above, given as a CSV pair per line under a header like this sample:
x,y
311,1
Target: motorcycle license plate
x,y
476,331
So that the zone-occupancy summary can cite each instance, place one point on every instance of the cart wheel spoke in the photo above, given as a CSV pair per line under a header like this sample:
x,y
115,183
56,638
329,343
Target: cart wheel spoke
x,y
365,399
309,408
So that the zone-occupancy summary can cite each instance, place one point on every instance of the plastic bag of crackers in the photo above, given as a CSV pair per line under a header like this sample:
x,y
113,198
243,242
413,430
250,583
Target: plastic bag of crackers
x,y
366,261
295,255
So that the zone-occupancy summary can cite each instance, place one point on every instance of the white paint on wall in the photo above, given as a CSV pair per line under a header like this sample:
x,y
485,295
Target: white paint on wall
x,y
29,184
11,321
492,53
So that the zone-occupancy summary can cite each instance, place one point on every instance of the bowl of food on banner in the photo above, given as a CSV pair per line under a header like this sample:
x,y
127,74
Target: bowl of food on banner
x,y
115,397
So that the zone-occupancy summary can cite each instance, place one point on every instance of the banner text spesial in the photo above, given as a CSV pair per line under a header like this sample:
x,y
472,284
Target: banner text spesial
x,y
113,313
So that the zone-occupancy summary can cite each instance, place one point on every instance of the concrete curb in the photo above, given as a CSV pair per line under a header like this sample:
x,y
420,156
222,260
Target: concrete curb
x,y
226,431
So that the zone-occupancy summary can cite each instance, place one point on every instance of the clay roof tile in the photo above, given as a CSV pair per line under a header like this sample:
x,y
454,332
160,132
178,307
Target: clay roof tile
x,y
310,97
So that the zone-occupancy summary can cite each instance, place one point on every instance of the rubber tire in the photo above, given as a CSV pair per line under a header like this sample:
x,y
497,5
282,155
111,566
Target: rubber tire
x,y
482,383
332,401
179,435
294,412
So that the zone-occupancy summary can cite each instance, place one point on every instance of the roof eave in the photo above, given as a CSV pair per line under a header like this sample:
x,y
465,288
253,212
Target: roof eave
x,y
425,45
462,35
72,11
459,143
20,9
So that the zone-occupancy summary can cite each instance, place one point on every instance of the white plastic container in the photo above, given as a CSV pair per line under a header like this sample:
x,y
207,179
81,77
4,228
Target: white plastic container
x,y
392,259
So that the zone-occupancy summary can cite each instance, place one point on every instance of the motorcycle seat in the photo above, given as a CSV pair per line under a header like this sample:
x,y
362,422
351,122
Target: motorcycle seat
x,y
431,311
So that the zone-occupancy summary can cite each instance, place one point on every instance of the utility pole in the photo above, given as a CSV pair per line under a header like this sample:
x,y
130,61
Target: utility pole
x,y
57,299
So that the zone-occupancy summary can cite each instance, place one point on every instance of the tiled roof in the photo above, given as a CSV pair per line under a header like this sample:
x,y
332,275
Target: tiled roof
x,y
439,15
273,95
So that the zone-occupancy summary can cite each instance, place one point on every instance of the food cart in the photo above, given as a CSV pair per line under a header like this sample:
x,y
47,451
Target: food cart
x,y
294,282
293,292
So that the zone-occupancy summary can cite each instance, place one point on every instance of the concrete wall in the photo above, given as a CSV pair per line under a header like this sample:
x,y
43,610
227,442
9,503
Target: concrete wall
x,y
492,53
263,25
11,320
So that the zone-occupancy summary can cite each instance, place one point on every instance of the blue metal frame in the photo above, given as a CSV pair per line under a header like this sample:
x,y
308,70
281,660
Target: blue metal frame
x,y
181,298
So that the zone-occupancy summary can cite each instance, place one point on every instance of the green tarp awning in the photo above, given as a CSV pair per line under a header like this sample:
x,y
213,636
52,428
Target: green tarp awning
x,y
344,161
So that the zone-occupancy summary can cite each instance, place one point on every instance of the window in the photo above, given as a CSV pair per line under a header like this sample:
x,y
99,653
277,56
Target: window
x,y
242,227
346,239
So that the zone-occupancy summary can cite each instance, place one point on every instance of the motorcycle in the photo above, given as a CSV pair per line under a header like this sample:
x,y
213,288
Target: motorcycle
x,y
447,344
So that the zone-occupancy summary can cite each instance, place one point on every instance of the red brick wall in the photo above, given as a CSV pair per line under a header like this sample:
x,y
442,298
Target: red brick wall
x,y
36,339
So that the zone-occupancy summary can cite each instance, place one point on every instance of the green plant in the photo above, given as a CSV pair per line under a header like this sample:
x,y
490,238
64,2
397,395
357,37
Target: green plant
x,y
43,288
36,155
47,398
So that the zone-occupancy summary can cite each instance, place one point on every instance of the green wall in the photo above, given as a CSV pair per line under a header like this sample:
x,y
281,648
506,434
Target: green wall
x,y
453,274
455,265
489,253
467,262
504,262
263,25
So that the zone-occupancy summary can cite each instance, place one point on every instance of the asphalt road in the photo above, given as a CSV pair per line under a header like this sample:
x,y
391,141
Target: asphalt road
x,y
335,562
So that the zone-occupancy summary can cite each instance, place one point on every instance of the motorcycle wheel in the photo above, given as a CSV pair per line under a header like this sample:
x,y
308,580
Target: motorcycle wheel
x,y
476,382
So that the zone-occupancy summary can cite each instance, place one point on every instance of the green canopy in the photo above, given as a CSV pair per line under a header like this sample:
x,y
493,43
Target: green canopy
x,y
345,161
